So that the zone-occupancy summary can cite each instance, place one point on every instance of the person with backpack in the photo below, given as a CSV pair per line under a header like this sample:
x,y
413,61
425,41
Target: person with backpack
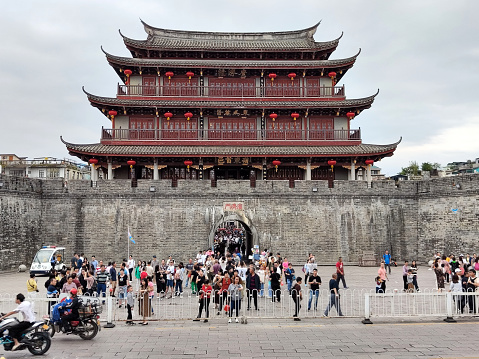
x,y
289,275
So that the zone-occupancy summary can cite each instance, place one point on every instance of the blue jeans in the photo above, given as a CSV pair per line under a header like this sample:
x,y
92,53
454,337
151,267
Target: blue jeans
x,y
316,294
261,293
178,286
101,289
289,282
333,302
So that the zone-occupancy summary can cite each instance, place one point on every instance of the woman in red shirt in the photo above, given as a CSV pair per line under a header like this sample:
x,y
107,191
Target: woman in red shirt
x,y
205,294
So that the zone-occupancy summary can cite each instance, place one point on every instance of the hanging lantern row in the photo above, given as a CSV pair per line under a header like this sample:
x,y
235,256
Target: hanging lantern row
x,y
169,74
188,115
295,116
369,162
168,115
350,115
93,161
112,114
276,163
292,75
272,76
131,163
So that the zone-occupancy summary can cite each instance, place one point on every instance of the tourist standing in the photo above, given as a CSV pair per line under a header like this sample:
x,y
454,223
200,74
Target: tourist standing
x,y
235,291
439,277
472,286
131,267
405,269
144,301
297,296
383,276
314,283
340,272
123,284
130,304
289,275
204,300
387,261
275,279
113,278
32,287
334,296
253,285
101,279
414,272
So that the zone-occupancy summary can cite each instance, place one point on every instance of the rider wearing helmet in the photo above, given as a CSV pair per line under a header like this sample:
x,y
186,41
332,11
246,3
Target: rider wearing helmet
x,y
73,315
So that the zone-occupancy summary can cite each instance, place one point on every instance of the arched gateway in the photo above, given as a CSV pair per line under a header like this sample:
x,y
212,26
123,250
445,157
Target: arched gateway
x,y
251,234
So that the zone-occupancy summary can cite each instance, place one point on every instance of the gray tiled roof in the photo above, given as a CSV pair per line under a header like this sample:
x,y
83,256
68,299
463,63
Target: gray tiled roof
x,y
214,150
229,63
261,103
200,40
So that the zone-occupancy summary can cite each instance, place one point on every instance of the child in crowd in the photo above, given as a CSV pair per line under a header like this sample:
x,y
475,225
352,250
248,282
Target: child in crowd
x,y
410,281
130,303
378,284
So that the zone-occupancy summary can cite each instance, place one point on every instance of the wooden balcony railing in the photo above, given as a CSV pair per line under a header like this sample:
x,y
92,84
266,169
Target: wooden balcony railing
x,y
234,91
229,134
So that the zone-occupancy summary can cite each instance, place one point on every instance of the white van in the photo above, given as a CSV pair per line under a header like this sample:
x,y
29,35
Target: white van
x,y
42,262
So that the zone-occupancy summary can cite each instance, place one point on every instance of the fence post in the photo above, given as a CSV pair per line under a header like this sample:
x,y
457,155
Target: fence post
x,y
109,315
449,302
367,310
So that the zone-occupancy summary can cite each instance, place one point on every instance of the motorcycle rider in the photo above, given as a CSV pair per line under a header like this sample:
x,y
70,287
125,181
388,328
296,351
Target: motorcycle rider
x,y
24,307
73,315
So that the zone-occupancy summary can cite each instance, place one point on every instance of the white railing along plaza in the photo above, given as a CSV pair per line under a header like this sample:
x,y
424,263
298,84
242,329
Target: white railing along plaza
x,y
353,303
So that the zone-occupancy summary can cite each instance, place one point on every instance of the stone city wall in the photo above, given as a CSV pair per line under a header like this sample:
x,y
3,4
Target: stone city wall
x,y
411,219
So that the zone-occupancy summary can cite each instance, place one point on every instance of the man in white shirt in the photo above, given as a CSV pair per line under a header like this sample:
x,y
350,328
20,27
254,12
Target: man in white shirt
x,y
170,278
130,265
26,309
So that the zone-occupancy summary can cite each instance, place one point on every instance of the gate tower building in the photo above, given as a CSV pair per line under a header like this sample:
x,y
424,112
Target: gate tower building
x,y
199,105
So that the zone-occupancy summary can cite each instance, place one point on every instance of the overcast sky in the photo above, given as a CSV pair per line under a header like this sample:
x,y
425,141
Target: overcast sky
x,y
422,55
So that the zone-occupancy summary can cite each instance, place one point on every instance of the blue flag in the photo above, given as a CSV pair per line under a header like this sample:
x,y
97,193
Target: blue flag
x,y
130,237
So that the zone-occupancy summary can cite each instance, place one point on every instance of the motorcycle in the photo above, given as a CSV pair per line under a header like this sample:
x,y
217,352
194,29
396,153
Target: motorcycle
x,y
33,338
86,327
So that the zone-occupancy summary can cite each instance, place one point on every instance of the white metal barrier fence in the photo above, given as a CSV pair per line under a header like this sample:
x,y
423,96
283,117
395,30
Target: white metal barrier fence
x,y
351,303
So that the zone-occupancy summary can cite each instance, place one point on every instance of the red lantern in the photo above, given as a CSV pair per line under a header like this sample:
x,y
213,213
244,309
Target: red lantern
x,y
190,75
332,74
112,113
127,73
188,163
169,74
273,116
276,163
369,162
188,115
350,115
292,75
295,115
93,161
168,115
332,163
131,163
272,76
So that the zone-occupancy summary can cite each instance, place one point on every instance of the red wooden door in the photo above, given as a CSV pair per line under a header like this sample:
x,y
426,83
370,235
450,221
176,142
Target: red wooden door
x,y
149,86
181,87
321,129
232,129
142,128
180,129
284,129
231,87
282,88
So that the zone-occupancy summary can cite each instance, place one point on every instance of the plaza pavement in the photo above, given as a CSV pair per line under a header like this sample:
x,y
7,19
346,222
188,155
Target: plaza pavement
x,y
274,338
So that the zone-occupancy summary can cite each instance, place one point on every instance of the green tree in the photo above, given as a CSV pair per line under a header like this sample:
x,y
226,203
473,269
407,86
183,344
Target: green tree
x,y
411,170
427,166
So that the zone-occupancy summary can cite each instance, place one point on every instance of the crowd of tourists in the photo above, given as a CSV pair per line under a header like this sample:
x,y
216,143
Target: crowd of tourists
x,y
229,240
226,281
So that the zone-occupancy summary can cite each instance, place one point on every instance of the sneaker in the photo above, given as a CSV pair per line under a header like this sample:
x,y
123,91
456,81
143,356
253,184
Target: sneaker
x,y
16,346
229,320
205,321
296,319
196,319
218,313
236,320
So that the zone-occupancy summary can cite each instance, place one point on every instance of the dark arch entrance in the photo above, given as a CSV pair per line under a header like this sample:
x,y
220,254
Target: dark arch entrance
x,y
233,232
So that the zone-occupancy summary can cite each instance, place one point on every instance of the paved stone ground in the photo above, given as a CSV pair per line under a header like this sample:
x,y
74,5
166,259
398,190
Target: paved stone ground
x,y
274,338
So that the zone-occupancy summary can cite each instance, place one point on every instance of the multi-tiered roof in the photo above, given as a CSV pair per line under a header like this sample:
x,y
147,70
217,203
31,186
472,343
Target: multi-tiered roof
x,y
231,84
